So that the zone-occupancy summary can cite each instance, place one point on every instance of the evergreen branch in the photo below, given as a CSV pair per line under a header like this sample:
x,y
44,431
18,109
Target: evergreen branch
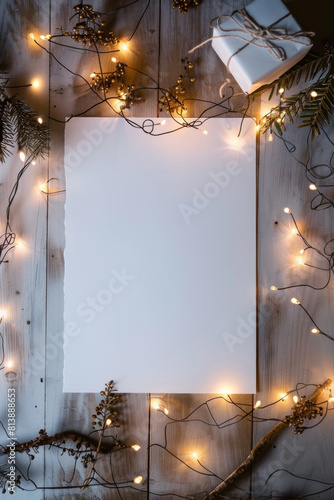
x,y
308,70
318,110
313,105
19,123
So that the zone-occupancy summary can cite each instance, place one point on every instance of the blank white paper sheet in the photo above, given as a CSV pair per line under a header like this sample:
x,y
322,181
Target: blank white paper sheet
x,y
160,257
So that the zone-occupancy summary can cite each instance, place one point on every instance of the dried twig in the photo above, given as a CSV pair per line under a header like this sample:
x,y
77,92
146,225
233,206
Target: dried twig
x,y
300,411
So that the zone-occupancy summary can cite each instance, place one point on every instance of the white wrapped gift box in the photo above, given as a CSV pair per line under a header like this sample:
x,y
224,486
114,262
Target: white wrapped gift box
x,y
247,56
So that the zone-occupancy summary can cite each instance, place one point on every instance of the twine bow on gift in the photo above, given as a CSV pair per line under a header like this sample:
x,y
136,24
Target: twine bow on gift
x,y
266,38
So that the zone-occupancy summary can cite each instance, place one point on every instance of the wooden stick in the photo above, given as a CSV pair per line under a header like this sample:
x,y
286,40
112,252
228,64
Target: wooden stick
x,y
261,445
57,439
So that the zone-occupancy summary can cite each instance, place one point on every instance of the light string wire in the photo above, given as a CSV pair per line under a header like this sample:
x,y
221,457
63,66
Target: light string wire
x,y
248,415
98,478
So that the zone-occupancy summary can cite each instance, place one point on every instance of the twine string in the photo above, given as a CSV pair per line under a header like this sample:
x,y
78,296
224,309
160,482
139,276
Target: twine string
x,y
264,37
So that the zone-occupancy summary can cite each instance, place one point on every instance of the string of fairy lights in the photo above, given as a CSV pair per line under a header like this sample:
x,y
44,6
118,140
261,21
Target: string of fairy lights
x,y
194,463
89,31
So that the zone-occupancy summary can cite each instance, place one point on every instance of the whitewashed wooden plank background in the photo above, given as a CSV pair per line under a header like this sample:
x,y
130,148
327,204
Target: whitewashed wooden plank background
x,y
287,352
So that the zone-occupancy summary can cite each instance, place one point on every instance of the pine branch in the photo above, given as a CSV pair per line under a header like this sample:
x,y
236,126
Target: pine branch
x,y
306,70
313,105
318,110
18,123
305,409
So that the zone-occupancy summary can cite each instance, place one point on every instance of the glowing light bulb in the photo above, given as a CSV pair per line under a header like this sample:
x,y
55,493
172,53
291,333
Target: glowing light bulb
x,y
10,364
163,122
273,288
270,137
295,301
294,231
287,210
313,93
40,120
166,411
281,91
32,36
257,127
295,399
300,261
279,120
3,314
331,399
138,479
283,395
114,59
135,447
156,406
108,421
315,330
257,404
301,251
45,37
313,187
22,156
124,46
93,75
42,37
35,84
195,456
204,132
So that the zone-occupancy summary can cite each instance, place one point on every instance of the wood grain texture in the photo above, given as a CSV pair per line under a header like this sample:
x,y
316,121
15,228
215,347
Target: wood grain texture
x,y
33,329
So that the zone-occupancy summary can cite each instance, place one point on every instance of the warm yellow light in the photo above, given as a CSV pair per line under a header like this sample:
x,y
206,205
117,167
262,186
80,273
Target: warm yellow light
x,y
300,261
35,84
315,330
301,251
135,447
257,404
163,122
10,364
42,37
138,479
313,187
273,288
313,93
331,399
195,456
45,37
40,120
295,399
32,36
156,406
287,210
124,46
42,187
281,91
295,301
3,314
270,137
22,156
108,422
93,75
294,231
257,127
19,244
114,59
166,411
283,395
278,120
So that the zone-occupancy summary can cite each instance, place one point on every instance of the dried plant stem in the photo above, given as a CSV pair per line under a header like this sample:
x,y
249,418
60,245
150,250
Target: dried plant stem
x,y
260,447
